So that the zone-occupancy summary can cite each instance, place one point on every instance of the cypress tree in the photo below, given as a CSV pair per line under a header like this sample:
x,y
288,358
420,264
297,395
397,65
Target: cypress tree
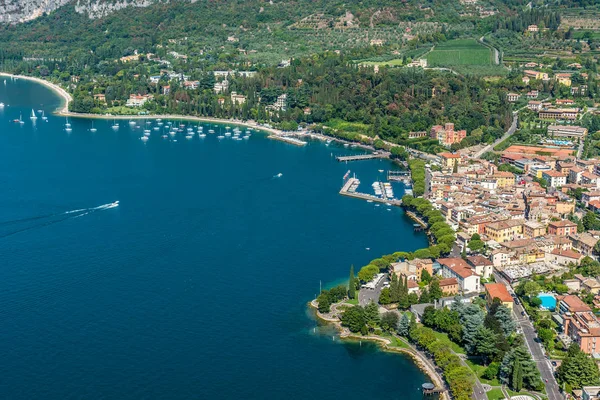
x,y
517,376
351,284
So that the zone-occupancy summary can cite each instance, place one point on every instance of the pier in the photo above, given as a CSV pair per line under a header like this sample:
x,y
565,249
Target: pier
x,y
398,176
287,139
349,189
360,157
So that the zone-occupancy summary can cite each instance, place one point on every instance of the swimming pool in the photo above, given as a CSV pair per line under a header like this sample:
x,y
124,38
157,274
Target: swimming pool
x,y
548,301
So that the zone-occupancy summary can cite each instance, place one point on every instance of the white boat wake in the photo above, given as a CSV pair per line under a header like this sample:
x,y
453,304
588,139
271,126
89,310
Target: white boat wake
x,y
51,219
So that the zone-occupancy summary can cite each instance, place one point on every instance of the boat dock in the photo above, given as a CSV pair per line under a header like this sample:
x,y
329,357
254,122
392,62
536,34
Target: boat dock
x,y
349,189
288,139
360,157
398,176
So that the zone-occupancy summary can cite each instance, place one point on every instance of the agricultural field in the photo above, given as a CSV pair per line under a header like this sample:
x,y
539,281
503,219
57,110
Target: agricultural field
x,y
460,52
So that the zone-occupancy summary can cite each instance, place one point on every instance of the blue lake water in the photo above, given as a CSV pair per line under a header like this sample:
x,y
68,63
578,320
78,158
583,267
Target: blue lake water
x,y
196,285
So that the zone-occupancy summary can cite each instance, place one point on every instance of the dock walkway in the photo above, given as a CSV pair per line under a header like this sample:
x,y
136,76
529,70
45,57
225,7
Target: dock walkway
x,y
353,183
359,157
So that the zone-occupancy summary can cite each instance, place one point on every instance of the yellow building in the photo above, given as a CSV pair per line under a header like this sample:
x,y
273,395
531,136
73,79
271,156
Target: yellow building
x,y
563,79
504,179
533,229
500,292
449,159
504,231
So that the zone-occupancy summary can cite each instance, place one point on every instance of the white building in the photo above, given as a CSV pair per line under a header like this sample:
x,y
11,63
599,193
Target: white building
x,y
554,178
467,278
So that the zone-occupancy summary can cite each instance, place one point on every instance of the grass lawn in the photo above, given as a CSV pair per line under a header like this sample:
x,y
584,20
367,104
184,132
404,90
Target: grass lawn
x,y
352,301
443,337
460,52
395,341
495,394
479,370
392,63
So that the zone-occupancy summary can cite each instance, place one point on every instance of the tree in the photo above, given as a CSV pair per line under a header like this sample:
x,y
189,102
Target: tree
x,y
491,372
404,325
351,284
578,369
590,221
528,288
535,302
429,317
485,343
504,317
389,321
476,244
384,297
424,298
435,292
372,317
517,376
324,302
425,276
531,374
354,318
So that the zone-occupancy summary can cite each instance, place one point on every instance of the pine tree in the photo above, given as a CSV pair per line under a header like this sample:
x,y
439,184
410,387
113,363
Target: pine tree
x,y
403,294
404,325
351,284
517,376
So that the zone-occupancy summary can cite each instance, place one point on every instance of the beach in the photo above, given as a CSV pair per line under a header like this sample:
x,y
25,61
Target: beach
x,y
62,93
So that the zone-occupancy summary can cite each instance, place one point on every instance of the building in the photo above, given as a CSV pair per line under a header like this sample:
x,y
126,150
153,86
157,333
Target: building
x,y
222,86
237,98
533,229
572,132
533,94
590,393
413,269
554,178
468,280
571,304
504,179
446,134
534,105
559,113
449,286
512,97
536,75
482,266
136,100
563,257
449,160
533,28
562,228
503,231
583,242
563,79
500,292
417,135
583,328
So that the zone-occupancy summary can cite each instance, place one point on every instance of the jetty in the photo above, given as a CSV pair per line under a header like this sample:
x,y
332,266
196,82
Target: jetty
x,y
398,176
430,389
288,139
360,157
349,189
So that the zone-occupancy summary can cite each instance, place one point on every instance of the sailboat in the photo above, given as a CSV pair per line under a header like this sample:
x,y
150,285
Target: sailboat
x,y
33,116
21,119
44,116
115,125
92,129
68,126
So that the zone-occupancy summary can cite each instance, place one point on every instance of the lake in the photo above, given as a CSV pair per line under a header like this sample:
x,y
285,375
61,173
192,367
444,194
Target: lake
x,y
196,284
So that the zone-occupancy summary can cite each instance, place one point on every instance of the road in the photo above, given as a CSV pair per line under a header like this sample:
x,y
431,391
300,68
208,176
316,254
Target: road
x,y
365,296
536,349
510,131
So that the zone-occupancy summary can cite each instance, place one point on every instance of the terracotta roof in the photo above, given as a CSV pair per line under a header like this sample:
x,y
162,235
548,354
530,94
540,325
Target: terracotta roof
x,y
562,224
567,253
478,260
498,290
575,304
448,282
458,265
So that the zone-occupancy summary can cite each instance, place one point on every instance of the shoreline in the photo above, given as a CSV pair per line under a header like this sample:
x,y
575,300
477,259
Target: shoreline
x,y
63,111
62,93
424,364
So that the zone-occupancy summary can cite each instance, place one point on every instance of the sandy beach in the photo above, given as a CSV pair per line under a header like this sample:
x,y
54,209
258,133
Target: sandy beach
x,y
66,97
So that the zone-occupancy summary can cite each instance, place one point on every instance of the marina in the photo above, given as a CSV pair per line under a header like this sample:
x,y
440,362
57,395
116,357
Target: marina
x,y
350,189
